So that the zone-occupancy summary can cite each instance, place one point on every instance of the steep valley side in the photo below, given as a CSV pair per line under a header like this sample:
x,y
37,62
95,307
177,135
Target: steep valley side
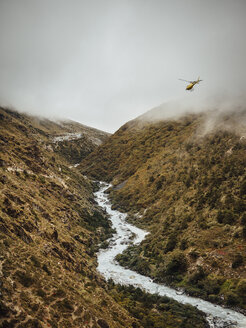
x,y
186,185
50,231
50,228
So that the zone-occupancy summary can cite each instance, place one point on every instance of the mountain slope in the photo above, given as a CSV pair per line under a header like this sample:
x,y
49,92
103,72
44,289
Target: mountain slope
x,y
50,227
185,181
50,231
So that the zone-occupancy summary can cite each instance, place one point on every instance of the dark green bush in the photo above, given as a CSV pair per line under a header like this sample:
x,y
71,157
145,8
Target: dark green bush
x,y
171,243
176,264
232,299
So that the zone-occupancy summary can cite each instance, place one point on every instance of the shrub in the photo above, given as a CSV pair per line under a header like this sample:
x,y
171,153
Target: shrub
x,y
211,286
231,299
4,310
237,261
244,232
171,243
197,275
226,217
41,179
41,292
159,183
243,188
183,244
35,261
46,269
177,264
240,206
151,179
65,305
24,278
241,289
194,254
243,220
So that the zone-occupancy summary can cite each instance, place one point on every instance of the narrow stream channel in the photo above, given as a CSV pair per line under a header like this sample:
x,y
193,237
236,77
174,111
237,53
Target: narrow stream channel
x,y
217,316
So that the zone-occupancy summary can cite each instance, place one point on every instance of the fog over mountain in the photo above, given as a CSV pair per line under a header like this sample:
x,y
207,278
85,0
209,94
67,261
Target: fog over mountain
x,y
104,62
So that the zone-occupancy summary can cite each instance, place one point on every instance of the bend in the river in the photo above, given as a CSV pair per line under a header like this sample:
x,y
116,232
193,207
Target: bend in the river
x,y
217,316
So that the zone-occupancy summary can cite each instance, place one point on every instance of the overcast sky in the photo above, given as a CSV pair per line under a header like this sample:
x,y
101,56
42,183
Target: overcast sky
x,y
104,62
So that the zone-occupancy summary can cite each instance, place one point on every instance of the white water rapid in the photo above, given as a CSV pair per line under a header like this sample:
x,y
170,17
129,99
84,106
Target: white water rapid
x,y
217,316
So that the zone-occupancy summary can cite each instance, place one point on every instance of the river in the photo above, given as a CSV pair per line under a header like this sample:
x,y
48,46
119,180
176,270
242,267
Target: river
x,y
217,316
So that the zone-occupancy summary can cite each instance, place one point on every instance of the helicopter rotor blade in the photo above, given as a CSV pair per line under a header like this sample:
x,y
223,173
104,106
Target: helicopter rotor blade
x,y
185,80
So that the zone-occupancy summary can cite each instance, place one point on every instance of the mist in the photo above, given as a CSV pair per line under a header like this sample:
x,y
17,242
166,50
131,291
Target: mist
x,y
104,62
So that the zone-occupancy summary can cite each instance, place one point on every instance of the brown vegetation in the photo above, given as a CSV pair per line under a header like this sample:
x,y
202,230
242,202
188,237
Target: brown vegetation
x,y
188,189
49,231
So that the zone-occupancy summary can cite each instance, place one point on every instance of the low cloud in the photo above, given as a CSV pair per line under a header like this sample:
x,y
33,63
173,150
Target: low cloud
x,y
106,62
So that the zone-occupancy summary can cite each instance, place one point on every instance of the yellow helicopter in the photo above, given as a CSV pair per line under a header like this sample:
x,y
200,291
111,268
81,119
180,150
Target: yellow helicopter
x,y
191,83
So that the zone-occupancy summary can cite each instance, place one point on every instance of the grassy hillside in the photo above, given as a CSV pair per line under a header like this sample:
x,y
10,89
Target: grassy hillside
x,y
75,141
185,181
50,229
